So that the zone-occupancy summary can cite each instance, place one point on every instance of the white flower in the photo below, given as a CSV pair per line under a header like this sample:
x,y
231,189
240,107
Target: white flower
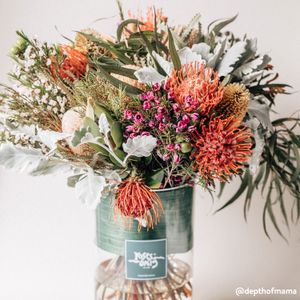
x,y
149,75
52,102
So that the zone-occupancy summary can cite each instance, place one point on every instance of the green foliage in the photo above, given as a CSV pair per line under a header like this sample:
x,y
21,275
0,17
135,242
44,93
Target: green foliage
x,y
278,174
102,93
173,52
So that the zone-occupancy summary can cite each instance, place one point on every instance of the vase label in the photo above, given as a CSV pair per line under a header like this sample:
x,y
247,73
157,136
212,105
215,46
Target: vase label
x,y
146,259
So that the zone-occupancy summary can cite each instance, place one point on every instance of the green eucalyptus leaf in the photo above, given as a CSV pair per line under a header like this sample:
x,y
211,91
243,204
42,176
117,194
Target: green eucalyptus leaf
x,y
123,25
217,25
116,133
89,123
239,192
102,110
120,154
118,83
173,52
154,180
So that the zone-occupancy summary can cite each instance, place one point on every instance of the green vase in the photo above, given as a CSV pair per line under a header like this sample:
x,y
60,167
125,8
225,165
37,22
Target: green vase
x,y
151,262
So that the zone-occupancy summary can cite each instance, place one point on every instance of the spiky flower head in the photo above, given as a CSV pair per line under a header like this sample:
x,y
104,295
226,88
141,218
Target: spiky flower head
x,y
71,64
135,200
222,148
196,88
147,24
235,101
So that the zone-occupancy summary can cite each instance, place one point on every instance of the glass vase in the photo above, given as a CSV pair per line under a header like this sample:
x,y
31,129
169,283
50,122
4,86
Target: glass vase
x,y
150,264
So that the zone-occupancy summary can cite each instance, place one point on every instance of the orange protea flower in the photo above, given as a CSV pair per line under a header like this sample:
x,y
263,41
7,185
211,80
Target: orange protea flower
x,y
73,65
195,87
148,22
222,148
135,200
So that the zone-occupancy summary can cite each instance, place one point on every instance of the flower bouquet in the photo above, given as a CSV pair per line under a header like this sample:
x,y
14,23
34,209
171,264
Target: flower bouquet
x,y
137,120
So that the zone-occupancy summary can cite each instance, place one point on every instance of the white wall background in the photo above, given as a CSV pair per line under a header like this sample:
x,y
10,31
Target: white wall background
x,y
47,238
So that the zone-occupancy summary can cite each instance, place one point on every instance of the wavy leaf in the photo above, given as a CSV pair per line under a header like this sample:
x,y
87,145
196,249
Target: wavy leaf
x,y
231,58
89,189
140,146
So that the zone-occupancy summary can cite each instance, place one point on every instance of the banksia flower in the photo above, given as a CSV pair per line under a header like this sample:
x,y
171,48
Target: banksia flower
x,y
87,46
196,88
222,147
135,200
73,65
235,101
148,22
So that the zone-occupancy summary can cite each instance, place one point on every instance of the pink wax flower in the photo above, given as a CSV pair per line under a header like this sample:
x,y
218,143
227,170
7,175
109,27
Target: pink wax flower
x,y
127,114
165,157
159,116
132,135
178,147
145,133
136,129
177,179
186,119
181,125
157,101
156,87
129,128
166,86
176,107
171,95
170,147
161,126
143,96
162,110
192,128
138,118
190,102
147,105
195,117
150,96
176,158
151,124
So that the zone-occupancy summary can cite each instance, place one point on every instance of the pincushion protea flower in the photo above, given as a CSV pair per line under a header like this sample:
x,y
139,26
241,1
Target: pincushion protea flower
x,y
222,148
135,200
73,65
235,101
195,87
147,24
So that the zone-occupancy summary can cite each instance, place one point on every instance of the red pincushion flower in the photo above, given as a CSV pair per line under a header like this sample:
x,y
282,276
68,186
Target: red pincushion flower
x,y
73,65
148,22
135,200
222,148
195,88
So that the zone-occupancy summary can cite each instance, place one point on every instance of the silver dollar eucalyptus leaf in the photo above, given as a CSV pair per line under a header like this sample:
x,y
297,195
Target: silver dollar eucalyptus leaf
x,y
148,75
89,189
231,57
261,112
140,146
103,124
20,159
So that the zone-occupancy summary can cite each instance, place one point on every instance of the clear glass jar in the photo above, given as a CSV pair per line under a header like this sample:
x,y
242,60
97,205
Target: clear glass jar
x,y
150,264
